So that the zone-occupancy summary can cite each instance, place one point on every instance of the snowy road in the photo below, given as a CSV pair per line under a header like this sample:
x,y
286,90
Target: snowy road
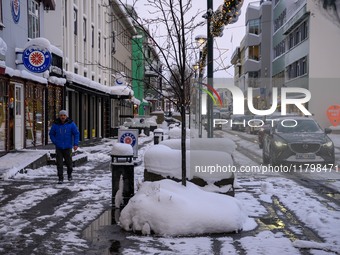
x,y
292,215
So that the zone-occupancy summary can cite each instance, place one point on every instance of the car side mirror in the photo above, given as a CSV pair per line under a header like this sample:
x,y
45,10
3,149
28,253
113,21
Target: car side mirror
x,y
328,130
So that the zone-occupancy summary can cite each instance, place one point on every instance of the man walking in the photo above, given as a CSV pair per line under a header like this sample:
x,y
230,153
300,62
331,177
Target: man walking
x,y
64,134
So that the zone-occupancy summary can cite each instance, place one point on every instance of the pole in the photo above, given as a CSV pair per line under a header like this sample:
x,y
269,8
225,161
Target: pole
x,y
210,69
200,76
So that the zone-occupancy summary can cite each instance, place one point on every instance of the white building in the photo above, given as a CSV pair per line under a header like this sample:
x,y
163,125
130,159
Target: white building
x,y
95,36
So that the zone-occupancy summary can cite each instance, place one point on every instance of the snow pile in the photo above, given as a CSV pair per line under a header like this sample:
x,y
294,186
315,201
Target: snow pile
x,y
176,133
152,121
209,144
161,159
40,41
168,208
122,149
159,130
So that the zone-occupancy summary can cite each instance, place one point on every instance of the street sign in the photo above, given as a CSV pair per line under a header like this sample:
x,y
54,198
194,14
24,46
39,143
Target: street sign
x,y
333,114
129,136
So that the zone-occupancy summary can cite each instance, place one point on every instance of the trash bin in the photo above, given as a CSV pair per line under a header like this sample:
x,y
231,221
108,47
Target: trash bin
x,y
158,135
122,167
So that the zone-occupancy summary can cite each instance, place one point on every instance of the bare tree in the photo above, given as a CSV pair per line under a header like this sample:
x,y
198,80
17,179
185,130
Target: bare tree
x,y
172,23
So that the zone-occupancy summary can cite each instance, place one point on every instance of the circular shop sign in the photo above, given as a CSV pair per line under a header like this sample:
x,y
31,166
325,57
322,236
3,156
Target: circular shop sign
x,y
128,138
36,60
15,9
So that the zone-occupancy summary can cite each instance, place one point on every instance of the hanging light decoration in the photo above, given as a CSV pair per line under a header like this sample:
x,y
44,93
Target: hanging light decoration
x,y
227,13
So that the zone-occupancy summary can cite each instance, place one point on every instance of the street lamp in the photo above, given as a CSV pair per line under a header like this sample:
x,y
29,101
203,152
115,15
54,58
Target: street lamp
x,y
201,42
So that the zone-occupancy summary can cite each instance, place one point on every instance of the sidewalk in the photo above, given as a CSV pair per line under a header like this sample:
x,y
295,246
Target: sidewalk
x,y
14,162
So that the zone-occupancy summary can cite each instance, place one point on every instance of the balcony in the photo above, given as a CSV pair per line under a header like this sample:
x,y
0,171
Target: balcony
x,y
151,71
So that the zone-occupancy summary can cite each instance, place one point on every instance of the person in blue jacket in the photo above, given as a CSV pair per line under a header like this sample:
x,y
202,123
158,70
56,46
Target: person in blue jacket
x,y
65,135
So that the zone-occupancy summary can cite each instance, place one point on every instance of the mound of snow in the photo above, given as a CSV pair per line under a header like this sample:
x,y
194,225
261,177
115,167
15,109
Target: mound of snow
x,y
176,133
122,149
168,208
210,144
163,160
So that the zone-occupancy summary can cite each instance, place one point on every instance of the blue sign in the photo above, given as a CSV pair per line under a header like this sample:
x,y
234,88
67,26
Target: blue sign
x,y
15,9
36,60
128,138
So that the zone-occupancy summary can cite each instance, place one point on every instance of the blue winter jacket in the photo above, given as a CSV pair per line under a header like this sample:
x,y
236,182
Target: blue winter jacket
x,y
64,136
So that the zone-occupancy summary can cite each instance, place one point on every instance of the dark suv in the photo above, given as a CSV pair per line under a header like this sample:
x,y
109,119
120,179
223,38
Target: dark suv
x,y
298,140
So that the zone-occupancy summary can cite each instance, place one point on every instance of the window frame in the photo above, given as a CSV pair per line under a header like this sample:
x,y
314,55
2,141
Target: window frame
x,y
33,28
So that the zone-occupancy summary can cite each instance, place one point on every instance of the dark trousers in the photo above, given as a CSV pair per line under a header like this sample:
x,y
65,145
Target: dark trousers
x,y
61,156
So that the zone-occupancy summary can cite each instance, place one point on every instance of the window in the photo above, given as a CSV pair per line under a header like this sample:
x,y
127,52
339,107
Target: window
x,y
99,17
84,29
279,49
75,19
33,19
92,36
99,42
298,35
254,52
254,26
93,77
279,21
113,35
1,19
85,74
65,14
297,69
75,70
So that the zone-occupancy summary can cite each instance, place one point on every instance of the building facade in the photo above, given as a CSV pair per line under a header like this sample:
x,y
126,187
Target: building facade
x,y
95,37
306,37
252,59
31,88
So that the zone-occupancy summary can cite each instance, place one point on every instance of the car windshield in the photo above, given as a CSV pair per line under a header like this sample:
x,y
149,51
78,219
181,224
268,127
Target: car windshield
x,y
298,126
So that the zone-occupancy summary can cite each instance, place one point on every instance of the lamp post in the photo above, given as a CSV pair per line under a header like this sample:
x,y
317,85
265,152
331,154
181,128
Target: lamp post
x,y
195,99
210,69
201,41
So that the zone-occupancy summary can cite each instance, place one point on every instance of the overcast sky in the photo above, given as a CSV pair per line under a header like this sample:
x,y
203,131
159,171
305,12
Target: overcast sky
x,y
225,45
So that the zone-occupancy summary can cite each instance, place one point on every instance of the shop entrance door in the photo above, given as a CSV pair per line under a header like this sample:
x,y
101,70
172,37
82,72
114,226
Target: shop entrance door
x,y
18,117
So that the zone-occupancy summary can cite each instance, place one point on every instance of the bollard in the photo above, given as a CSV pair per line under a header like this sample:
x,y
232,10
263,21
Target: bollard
x,y
158,135
122,167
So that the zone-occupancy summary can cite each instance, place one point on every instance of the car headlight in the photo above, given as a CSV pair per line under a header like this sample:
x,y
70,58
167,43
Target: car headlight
x,y
328,144
280,144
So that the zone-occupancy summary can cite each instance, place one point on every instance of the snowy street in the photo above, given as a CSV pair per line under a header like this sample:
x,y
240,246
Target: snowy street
x,y
291,213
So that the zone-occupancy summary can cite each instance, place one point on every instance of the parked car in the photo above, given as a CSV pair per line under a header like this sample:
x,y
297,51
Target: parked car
x,y
268,122
225,113
239,122
306,142
255,125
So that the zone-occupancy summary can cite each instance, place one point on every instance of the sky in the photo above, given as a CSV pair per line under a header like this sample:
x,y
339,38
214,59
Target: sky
x,y
223,46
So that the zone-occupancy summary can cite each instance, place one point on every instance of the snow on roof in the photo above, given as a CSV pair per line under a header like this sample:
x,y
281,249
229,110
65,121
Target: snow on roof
x,y
24,74
114,90
57,81
121,90
168,208
57,51
135,101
